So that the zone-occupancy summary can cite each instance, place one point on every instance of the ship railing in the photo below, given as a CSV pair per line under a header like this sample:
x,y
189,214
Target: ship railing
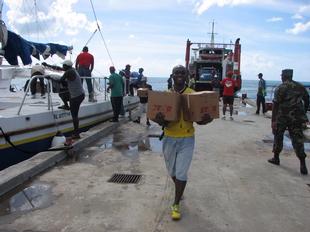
x,y
99,86
213,45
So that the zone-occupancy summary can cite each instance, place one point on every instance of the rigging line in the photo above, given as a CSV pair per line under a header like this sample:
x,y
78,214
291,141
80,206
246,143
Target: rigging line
x,y
91,37
36,18
41,33
105,45
23,7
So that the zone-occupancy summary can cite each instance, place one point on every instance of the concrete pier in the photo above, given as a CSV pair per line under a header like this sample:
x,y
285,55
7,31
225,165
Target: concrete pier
x,y
231,185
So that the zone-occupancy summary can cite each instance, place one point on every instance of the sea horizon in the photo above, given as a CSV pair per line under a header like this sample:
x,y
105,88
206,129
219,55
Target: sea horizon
x,y
248,87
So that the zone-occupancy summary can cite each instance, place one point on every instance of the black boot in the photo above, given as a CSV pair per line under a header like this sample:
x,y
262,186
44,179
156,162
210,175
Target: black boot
x,y
275,160
137,120
303,167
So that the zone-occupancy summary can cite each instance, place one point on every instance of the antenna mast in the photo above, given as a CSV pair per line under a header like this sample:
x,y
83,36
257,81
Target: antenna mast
x,y
212,35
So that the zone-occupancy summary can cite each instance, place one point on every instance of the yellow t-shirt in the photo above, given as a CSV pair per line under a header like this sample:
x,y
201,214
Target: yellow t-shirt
x,y
180,128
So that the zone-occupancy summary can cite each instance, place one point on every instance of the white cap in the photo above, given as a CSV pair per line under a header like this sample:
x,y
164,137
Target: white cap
x,y
68,63
144,78
37,68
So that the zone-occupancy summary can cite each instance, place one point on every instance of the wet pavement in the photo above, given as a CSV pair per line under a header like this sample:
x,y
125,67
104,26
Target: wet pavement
x,y
231,185
35,195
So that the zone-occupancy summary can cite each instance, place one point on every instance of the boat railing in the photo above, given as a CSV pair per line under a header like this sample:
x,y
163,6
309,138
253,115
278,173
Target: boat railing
x,y
98,83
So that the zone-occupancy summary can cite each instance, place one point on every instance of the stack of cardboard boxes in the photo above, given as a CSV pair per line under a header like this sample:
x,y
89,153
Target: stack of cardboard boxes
x,y
193,105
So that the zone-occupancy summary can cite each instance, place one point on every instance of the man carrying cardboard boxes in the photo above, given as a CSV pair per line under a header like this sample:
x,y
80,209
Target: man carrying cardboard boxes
x,y
178,139
143,95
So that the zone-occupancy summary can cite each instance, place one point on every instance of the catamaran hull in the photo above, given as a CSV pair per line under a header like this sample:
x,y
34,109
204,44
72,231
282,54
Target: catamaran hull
x,y
31,134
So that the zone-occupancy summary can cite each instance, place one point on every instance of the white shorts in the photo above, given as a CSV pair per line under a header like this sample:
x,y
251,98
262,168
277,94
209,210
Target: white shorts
x,y
178,154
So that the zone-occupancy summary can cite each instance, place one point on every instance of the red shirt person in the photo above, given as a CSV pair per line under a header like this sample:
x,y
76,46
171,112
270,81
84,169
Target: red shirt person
x,y
229,85
84,65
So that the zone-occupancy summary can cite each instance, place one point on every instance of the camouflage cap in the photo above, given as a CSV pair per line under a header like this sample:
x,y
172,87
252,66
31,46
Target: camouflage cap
x,y
287,72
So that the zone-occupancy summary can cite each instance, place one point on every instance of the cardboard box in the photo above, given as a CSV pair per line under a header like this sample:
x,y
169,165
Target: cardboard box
x,y
142,92
169,103
196,104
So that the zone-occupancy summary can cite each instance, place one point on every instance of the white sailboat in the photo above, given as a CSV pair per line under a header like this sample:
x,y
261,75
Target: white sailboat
x,y
27,125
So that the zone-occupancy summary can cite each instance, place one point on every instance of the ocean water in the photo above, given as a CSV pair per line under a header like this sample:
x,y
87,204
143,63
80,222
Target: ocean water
x,y
160,83
248,86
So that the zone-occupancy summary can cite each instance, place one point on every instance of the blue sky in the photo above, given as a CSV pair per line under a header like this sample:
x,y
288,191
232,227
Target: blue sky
x,y
274,34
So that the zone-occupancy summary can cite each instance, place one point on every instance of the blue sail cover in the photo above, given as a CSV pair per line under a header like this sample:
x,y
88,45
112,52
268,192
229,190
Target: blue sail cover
x,y
17,46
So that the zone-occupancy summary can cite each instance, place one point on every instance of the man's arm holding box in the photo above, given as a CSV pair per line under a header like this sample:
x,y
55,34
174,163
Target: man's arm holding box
x,y
160,119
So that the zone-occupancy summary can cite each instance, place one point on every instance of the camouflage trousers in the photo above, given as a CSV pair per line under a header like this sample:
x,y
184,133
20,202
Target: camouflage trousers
x,y
296,135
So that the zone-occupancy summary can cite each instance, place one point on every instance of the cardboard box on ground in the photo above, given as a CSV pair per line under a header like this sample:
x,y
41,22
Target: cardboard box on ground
x,y
194,105
197,104
142,92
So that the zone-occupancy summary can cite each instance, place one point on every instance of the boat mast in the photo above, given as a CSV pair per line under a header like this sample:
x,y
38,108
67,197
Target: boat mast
x,y
36,18
1,33
212,35
1,6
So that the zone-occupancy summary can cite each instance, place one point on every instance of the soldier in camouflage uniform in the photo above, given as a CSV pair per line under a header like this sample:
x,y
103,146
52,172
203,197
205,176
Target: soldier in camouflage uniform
x,y
290,104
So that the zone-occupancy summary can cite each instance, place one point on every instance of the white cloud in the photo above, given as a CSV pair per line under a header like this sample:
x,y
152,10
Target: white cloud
x,y
204,5
299,28
131,36
49,18
297,16
304,9
254,62
284,6
274,19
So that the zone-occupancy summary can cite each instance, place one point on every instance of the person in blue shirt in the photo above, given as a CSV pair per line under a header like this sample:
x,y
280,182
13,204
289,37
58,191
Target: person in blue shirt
x,y
136,83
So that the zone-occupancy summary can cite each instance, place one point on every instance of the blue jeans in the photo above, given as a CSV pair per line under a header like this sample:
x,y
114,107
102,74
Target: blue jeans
x,y
85,72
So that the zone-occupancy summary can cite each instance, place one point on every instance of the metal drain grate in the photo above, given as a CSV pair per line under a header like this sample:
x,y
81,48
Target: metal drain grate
x,y
125,179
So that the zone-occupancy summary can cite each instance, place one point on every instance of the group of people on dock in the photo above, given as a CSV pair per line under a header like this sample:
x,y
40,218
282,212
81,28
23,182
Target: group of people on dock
x,y
122,84
71,89
290,104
